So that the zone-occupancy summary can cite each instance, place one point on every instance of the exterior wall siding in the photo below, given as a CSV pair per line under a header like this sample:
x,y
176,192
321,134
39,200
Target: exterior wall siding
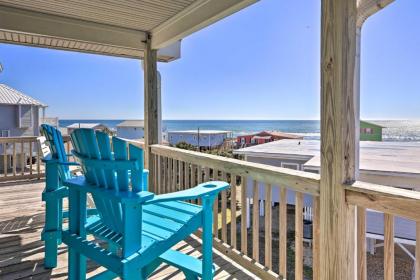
x,y
376,134
130,132
9,120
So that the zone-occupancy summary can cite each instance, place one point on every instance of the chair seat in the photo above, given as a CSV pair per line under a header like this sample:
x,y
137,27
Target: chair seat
x,y
164,224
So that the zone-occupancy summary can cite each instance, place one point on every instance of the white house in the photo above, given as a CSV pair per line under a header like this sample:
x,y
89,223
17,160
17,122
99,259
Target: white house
x,y
20,115
94,126
131,129
199,138
386,163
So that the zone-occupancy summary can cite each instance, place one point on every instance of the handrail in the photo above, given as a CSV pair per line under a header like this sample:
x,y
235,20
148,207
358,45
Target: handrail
x,y
300,181
390,200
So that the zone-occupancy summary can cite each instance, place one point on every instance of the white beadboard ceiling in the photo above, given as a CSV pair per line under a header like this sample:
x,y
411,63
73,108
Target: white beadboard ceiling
x,y
110,27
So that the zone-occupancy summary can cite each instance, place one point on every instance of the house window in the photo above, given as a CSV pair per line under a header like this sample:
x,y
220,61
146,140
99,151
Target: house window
x,y
5,133
290,165
243,140
25,116
367,130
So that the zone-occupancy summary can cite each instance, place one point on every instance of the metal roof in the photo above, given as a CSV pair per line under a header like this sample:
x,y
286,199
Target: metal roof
x,y
131,123
85,125
389,157
12,96
112,27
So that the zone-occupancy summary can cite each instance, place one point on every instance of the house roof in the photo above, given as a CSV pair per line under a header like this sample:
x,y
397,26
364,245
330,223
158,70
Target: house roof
x,y
85,125
12,96
131,123
389,157
370,123
112,27
274,133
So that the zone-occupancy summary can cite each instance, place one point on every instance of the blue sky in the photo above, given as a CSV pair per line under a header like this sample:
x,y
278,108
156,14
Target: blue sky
x,y
261,63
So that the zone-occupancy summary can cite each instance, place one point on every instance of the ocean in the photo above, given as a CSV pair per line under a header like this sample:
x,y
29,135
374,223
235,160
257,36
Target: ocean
x,y
394,130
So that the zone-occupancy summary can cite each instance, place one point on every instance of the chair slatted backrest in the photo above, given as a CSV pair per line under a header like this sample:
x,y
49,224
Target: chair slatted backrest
x,y
58,152
106,165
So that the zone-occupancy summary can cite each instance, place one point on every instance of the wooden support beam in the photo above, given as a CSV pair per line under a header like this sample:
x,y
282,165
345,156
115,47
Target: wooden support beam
x,y
195,17
151,105
367,8
339,143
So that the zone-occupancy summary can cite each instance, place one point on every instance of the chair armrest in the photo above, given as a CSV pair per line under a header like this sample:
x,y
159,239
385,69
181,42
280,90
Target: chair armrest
x,y
65,163
205,189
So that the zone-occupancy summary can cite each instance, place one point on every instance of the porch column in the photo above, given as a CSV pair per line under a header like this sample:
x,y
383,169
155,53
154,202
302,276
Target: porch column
x,y
151,106
339,138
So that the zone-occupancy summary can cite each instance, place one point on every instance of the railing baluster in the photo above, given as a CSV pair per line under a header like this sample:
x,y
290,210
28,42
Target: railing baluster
x,y
181,175
255,222
283,232
30,157
216,209
268,228
38,162
14,159
5,158
206,174
22,156
299,236
417,266
169,186
187,175
233,210
361,243
156,174
388,247
224,210
174,175
315,238
244,230
163,185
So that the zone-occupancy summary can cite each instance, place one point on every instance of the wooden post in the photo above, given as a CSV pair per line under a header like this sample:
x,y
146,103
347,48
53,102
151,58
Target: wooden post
x,y
339,140
151,104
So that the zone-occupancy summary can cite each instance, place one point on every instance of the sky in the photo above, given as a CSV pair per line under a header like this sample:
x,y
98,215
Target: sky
x,y
260,63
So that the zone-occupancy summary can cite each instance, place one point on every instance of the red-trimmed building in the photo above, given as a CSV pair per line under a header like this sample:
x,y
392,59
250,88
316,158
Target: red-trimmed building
x,y
263,137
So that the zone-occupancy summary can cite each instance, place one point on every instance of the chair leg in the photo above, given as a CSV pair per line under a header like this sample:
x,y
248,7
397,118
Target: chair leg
x,y
207,238
77,220
191,276
51,237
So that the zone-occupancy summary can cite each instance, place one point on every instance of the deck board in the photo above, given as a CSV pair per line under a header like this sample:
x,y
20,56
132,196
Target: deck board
x,y
21,248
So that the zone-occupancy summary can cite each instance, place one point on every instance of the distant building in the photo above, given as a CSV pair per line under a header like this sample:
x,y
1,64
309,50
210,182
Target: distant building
x,y
94,126
384,163
207,139
131,129
20,115
370,131
263,137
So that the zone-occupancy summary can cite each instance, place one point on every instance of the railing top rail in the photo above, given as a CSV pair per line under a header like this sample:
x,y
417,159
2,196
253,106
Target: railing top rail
x,y
292,179
18,139
390,200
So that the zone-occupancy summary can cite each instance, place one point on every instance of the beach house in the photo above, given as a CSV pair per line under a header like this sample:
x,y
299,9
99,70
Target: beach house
x,y
262,137
95,126
20,116
370,131
206,139
341,201
131,129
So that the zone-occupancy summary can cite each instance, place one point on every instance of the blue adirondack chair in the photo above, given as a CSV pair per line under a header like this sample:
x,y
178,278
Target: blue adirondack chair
x,y
58,170
139,227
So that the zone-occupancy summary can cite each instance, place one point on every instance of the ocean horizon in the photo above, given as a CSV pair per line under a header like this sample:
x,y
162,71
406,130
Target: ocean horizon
x,y
394,130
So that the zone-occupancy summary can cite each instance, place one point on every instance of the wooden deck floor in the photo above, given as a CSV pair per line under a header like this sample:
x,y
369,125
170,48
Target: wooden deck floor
x,y
21,250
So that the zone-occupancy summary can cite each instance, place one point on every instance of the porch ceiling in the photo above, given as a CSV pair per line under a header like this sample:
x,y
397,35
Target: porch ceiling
x,y
112,27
